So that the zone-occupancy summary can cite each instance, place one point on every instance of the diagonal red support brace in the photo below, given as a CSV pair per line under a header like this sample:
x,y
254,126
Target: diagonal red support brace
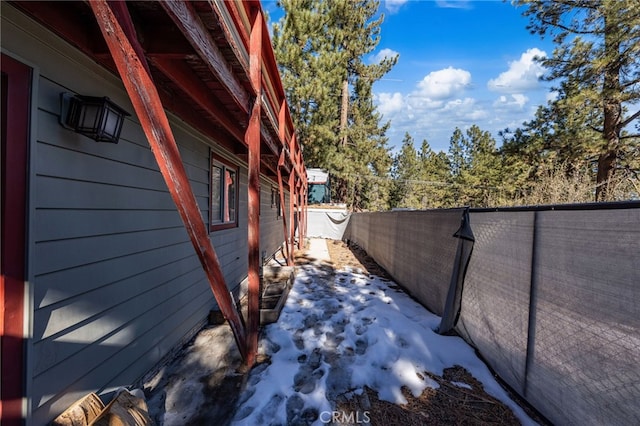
x,y
146,102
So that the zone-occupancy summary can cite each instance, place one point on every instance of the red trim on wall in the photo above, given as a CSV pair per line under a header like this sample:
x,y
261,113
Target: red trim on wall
x,y
218,226
16,89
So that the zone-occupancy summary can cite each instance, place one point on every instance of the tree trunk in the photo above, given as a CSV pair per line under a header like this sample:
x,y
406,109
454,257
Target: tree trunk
x,y
340,190
344,110
612,106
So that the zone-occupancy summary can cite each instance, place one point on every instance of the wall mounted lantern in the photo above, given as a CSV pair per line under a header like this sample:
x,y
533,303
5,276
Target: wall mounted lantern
x,y
95,117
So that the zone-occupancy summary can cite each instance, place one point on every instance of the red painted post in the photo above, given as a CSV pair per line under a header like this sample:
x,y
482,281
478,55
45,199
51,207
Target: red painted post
x,y
292,193
13,229
306,203
281,162
146,102
304,211
299,211
282,202
252,139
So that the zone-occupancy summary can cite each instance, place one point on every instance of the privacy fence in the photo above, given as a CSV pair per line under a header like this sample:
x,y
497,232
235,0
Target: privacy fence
x,y
550,297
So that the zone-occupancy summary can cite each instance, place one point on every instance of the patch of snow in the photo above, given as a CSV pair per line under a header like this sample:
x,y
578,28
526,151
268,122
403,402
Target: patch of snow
x,y
462,385
337,334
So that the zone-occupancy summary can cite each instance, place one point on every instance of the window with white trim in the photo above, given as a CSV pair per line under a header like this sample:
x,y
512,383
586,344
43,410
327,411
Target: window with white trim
x,y
224,194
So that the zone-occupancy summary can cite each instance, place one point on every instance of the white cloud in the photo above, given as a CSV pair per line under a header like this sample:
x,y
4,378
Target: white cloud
x,y
465,110
441,101
383,54
453,4
445,83
389,103
515,100
394,5
522,75
552,96
420,102
520,99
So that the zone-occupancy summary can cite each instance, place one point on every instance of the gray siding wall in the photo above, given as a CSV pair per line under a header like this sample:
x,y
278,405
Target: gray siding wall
x,y
271,227
114,281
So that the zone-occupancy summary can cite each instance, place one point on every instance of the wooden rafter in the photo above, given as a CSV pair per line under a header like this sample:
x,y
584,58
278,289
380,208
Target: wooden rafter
x,y
197,34
196,90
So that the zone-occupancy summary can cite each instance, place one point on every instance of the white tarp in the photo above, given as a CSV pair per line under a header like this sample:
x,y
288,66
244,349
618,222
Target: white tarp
x,y
327,223
317,176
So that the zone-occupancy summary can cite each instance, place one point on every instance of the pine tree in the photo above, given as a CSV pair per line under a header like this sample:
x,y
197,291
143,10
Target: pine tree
x,y
436,177
321,46
597,57
310,81
476,167
558,138
365,157
406,176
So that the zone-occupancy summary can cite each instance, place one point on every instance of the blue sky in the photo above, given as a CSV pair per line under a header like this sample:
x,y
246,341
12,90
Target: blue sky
x,y
460,63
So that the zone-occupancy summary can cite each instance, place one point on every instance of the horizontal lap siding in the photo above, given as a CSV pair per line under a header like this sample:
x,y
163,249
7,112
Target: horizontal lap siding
x,y
114,281
117,282
271,227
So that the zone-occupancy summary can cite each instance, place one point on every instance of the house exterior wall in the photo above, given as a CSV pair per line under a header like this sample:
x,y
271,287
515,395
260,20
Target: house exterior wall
x,y
114,281
271,228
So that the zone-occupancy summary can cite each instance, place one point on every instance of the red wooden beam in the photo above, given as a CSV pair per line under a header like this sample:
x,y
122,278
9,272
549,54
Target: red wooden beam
x,y
300,214
269,62
282,203
65,22
146,102
239,50
281,163
305,197
252,139
292,197
13,231
183,15
183,107
120,11
269,141
198,91
237,16
293,188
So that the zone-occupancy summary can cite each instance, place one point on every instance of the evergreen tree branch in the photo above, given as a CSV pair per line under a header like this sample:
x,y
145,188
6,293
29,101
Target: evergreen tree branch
x,y
630,136
626,122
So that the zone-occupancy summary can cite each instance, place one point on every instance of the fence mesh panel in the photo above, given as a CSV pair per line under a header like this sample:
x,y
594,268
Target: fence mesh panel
x,y
495,301
585,366
551,299
416,247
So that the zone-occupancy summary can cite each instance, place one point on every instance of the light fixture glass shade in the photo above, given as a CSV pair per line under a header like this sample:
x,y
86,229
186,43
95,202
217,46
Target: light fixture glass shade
x,y
95,117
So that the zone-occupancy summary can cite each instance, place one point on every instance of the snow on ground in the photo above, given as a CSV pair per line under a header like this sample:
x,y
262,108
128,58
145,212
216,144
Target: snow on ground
x,y
340,332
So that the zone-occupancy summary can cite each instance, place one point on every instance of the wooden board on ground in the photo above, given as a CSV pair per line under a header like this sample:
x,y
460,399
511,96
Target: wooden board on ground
x,y
124,410
81,413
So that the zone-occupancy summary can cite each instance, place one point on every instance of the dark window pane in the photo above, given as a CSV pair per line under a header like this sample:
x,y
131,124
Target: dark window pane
x,y
216,194
231,191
